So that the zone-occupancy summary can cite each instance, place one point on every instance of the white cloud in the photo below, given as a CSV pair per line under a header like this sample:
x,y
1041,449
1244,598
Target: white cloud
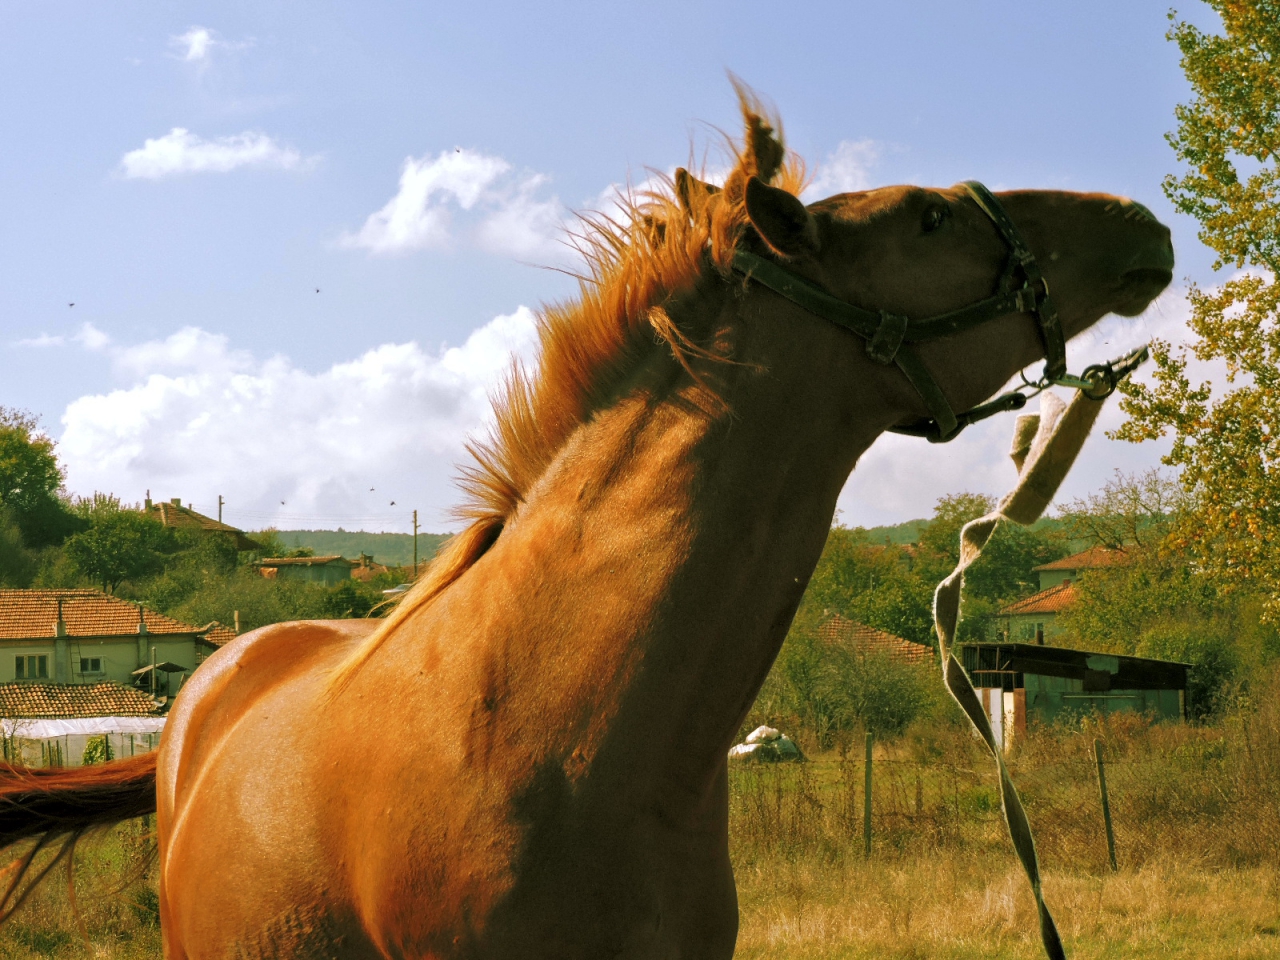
x,y
468,196
199,419
846,169
88,336
180,151
195,44
198,43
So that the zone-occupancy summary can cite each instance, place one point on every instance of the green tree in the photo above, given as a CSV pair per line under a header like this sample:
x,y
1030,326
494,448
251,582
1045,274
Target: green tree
x,y
1131,510
119,543
31,481
1004,572
1226,440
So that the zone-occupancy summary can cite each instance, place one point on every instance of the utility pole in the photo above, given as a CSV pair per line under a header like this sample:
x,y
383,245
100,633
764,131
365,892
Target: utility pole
x,y
415,544
220,501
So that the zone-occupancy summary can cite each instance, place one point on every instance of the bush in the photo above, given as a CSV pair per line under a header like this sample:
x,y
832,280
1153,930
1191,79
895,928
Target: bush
x,y
1207,646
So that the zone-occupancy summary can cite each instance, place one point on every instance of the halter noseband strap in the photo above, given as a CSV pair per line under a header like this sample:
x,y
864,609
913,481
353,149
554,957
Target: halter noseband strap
x,y
1021,289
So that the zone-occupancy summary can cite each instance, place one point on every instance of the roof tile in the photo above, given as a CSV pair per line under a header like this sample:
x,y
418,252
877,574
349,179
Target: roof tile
x,y
27,614
1089,559
1053,600
868,639
51,701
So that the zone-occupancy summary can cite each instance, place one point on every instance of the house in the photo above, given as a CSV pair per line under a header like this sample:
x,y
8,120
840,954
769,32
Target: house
x,y
840,631
88,637
366,568
51,724
175,516
1034,618
1022,682
322,570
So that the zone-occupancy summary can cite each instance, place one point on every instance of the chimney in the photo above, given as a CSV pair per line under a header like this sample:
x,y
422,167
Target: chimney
x,y
147,502
237,623
176,501
60,627
142,622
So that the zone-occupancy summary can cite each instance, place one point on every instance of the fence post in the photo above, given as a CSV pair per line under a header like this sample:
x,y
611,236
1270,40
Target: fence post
x,y
866,801
1106,805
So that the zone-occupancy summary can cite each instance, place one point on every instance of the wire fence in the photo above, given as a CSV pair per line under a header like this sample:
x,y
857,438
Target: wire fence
x,y
1208,794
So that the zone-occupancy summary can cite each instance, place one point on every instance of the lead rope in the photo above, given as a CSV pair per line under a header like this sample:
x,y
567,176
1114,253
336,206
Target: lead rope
x,y
1044,448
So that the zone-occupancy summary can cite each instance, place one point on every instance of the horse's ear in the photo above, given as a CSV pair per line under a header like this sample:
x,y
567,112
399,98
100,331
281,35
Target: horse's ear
x,y
781,219
693,194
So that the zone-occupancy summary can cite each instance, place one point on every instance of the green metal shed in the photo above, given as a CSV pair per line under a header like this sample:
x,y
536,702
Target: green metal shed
x,y
1018,682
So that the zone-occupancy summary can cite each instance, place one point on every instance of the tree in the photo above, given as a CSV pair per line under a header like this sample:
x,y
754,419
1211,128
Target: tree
x,y
1226,440
1131,510
31,481
119,543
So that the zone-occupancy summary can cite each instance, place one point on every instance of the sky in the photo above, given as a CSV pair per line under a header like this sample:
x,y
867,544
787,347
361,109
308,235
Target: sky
x,y
282,253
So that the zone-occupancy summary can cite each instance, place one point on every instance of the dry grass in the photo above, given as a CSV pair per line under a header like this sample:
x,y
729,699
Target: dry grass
x,y
952,908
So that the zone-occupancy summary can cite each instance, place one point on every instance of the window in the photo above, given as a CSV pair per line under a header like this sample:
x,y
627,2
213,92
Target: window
x,y
31,668
90,664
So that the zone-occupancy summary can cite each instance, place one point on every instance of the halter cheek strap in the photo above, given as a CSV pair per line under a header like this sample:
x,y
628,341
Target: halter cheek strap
x,y
1020,288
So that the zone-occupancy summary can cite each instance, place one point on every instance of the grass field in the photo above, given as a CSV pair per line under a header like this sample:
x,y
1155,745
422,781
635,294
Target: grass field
x,y
1198,840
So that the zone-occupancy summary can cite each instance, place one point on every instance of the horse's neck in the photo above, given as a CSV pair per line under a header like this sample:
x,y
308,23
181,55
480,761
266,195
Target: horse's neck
x,y
635,604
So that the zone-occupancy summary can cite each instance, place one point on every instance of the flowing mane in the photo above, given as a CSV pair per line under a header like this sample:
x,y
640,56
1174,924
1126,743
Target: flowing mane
x,y
636,261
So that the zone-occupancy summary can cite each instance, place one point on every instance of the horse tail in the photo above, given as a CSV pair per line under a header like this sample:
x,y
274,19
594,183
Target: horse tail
x,y
62,804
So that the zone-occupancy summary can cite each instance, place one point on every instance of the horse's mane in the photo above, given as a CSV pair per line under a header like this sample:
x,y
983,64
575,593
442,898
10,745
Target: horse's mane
x,y
656,247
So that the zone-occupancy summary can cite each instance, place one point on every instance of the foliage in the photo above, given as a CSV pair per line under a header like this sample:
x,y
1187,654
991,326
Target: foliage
x,y
119,543
830,691
31,481
1227,440
1205,644
97,750
17,564
1115,604
1130,510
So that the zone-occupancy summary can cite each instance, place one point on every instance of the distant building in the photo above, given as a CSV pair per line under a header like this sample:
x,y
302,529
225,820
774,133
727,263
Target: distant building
x,y
1020,682
840,631
175,516
1033,619
88,637
322,570
365,568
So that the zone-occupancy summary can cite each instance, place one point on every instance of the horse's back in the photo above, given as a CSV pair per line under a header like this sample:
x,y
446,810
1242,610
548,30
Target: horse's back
x,y
236,737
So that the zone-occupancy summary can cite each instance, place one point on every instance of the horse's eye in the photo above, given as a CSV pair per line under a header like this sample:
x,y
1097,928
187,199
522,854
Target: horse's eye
x,y
933,218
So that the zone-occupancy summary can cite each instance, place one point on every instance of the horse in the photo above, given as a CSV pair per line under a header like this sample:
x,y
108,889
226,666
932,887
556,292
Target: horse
x,y
527,758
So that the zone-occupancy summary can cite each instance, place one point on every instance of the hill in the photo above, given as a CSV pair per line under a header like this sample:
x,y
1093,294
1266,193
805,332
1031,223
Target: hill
x,y
393,549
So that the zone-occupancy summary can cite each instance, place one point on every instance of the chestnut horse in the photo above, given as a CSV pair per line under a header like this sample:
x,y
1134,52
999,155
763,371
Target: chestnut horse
x,y
528,757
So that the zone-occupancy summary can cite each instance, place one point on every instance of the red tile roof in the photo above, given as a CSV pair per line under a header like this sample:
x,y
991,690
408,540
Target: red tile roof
x,y
1089,559
51,701
27,614
218,634
870,640
1053,600
178,517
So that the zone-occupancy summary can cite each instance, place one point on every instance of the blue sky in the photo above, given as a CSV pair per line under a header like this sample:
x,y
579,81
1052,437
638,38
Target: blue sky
x,y
189,174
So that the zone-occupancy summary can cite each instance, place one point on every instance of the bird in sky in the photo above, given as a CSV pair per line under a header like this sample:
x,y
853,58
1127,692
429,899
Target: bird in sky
x,y
70,304
393,503
317,289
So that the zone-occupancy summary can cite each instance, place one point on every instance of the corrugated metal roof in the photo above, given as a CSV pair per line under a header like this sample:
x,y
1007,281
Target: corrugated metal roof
x,y
44,701
31,614
870,640
305,561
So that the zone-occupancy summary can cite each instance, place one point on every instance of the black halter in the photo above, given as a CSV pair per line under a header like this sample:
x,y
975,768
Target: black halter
x,y
1021,288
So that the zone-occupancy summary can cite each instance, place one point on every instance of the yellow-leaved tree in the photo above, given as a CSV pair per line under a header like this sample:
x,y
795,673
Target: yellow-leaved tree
x,y
1226,437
